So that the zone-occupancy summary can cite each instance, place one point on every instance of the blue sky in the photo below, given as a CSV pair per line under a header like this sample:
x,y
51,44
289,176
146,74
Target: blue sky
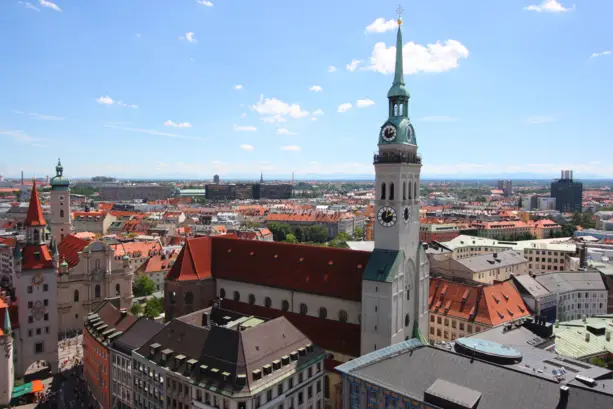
x,y
191,87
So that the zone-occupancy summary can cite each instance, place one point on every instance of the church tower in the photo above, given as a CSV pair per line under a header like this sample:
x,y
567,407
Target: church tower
x,y
396,279
61,224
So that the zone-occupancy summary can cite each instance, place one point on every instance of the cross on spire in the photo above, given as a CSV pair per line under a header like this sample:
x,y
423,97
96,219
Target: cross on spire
x,y
399,11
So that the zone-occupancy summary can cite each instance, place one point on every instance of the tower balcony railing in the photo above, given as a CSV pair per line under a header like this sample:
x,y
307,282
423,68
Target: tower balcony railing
x,y
397,157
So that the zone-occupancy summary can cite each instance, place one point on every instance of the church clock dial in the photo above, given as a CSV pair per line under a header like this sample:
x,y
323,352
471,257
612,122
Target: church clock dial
x,y
388,133
387,216
406,214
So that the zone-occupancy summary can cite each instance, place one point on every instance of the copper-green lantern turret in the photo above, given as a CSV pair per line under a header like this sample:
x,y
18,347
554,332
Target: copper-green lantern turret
x,y
59,182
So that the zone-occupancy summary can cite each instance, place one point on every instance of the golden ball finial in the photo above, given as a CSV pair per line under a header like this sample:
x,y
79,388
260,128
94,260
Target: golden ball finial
x,y
399,21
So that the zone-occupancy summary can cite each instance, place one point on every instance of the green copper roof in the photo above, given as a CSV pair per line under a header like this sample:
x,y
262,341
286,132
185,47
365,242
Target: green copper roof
x,y
59,181
405,133
383,265
7,322
398,89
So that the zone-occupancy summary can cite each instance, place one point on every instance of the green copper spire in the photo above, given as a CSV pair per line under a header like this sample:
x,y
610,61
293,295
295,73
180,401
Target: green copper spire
x,y
7,321
398,89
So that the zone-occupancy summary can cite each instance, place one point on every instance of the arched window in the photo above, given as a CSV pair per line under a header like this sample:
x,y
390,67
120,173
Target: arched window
x,y
303,308
383,191
395,109
285,305
36,235
117,289
268,302
236,296
97,291
408,294
342,316
173,297
400,109
76,296
323,313
416,190
410,190
222,293
251,299
61,213
188,298
404,190
407,320
391,191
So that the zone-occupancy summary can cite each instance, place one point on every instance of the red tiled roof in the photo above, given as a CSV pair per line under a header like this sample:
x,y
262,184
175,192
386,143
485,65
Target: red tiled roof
x,y
36,257
333,336
159,262
193,262
114,318
326,271
70,247
35,212
492,305
8,241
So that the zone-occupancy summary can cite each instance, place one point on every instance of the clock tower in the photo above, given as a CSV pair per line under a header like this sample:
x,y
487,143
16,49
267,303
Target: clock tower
x,y
61,225
395,283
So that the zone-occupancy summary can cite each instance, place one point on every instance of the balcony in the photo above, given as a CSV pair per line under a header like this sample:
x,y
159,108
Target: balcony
x,y
397,157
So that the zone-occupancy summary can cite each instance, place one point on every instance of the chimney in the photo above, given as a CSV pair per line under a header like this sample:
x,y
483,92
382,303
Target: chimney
x,y
205,319
608,336
124,312
564,390
584,318
495,255
587,336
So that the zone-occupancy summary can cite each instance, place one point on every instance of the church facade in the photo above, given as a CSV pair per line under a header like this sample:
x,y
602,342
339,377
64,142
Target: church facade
x,y
346,301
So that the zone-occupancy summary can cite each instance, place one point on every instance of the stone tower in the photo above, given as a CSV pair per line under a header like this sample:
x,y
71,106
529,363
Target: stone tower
x,y
61,224
395,282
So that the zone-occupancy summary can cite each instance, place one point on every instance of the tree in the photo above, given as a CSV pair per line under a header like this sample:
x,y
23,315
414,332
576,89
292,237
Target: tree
x,y
358,233
480,199
317,234
279,230
136,309
340,241
153,308
252,225
143,286
290,238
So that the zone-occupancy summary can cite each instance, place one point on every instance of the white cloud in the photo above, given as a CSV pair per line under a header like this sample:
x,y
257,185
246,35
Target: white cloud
x,y
28,5
190,37
381,26
139,35
106,100
550,6
243,115
364,103
246,128
318,112
313,119
45,3
273,107
291,148
316,88
19,136
153,132
332,68
596,55
353,65
438,118
344,107
246,147
238,86
543,119
436,57
285,131
45,117
277,119
177,125
205,3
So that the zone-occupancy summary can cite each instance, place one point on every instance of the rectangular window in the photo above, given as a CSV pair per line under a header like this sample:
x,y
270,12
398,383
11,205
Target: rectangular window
x,y
30,319
45,303
45,287
46,317
269,395
29,289
39,348
30,304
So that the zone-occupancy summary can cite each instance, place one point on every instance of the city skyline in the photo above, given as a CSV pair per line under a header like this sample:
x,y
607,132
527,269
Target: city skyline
x,y
133,90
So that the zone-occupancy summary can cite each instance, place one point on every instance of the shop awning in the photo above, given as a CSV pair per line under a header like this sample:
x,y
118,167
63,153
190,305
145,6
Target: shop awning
x,y
32,387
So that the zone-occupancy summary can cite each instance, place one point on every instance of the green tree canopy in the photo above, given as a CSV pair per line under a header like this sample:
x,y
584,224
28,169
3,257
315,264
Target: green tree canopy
x,y
143,286
279,230
153,307
136,309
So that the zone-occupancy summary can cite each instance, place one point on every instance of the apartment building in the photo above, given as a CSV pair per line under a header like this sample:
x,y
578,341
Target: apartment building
x,y
485,268
335,222
545,228
222,359
438,232
503,230
459,310
97,222
575,293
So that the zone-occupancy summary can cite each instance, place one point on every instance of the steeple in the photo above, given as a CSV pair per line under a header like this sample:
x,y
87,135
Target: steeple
x,y
261,177
398,89
7,322
35,217
59,169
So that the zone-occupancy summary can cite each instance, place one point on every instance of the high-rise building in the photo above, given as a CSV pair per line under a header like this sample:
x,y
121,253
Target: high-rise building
x,y
567,192
506,186
216,179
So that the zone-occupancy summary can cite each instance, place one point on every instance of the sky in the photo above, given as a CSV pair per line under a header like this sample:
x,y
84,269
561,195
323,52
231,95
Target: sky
x,y
192,88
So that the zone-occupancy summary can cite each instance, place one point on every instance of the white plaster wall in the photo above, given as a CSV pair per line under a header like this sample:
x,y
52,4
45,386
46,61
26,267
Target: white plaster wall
x,y
377,316
60,225
7,371
294,298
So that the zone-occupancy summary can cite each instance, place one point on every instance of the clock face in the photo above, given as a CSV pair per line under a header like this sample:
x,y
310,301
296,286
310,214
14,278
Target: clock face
x,y
406,214
61,197
387,216
388,133
37,279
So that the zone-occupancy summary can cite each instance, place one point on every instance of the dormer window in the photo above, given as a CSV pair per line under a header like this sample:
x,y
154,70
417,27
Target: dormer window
x,y
294,356
285,360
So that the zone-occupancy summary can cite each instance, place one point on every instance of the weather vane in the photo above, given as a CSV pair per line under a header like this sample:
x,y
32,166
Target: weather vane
x,y
399,11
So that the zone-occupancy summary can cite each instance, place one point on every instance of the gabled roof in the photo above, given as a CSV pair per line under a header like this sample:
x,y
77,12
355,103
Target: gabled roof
x,y
70,247
36,257
35,211
325,271
115,318
193,262
491,306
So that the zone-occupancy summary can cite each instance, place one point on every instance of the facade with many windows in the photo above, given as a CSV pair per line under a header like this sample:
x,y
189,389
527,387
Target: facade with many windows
x,y
216,358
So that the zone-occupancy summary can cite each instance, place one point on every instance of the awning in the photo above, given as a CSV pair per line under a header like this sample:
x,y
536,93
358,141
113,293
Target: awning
x,y
32,387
